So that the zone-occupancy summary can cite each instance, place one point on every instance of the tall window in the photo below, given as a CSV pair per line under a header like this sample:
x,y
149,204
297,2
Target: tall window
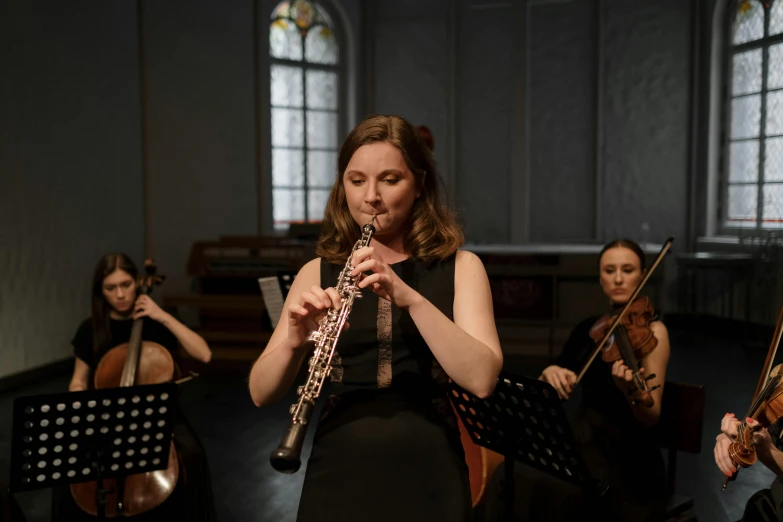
x,y
753,172
305,107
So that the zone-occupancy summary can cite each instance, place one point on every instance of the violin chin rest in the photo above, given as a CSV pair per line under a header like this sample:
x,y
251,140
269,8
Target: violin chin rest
x,y
643,398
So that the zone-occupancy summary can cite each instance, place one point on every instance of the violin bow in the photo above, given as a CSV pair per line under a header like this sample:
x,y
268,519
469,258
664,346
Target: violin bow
x,y
773,350
762,384
192,375
666,246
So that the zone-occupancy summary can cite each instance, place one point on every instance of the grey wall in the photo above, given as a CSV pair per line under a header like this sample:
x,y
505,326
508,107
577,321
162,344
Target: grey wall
x,y
74,181
70,172
645,123
605,125
411,71
554,121
562,118
201,114
484,90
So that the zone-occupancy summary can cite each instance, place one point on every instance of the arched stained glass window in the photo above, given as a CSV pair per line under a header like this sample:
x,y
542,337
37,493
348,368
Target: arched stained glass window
x,y
753,169
305,110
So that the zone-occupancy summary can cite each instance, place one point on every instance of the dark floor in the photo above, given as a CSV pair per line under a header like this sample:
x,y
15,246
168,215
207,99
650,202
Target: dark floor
x,y
725,357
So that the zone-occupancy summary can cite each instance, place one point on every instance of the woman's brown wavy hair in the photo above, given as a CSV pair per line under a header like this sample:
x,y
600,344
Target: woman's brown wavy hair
x,y
101,310
432,233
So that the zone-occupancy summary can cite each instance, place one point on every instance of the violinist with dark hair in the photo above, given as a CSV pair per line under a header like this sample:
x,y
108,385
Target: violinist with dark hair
x,y
757,438
613,425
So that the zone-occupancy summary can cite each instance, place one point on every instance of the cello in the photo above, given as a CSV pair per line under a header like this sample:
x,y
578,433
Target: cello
x,y
136,362
481,462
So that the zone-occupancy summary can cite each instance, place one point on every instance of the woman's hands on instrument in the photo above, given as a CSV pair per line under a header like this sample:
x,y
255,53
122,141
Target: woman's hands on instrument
x,y
562,379
761,439
622,374
729,427
146,307
303,318
383,281
722,458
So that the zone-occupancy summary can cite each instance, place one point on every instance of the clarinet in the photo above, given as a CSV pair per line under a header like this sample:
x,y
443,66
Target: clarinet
x,y
286,458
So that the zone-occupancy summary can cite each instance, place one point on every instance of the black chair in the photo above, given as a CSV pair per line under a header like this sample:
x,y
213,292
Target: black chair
x,y
680,429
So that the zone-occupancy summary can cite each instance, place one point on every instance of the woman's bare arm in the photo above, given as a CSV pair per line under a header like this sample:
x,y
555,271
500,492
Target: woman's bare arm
x,y
275,370
81,375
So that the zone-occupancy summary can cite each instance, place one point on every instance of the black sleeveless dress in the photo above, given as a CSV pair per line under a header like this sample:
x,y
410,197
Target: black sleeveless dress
x,y
617,449
387,446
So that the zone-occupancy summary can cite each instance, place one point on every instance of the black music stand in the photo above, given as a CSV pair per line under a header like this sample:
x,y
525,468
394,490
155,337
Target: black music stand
x,y
524,420
286,279
67,438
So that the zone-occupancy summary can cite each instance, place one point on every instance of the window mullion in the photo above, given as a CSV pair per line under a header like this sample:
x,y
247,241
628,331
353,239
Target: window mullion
x,y
305,218
762,125
725,125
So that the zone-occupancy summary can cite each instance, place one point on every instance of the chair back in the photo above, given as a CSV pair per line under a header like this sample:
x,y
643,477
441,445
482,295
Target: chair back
x,y
682,417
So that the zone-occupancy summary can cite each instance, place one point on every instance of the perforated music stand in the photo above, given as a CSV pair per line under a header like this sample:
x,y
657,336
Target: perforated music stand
x,y
524,420
286,279
68,438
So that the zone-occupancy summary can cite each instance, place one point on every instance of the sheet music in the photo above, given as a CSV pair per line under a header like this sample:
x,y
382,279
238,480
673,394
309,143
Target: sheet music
x,y
273,298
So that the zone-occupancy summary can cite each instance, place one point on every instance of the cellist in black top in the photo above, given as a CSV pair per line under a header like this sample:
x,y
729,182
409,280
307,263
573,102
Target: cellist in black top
x,y
115,306
615,435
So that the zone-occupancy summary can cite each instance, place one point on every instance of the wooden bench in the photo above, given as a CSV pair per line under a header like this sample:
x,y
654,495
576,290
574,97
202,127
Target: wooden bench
x,y
245,303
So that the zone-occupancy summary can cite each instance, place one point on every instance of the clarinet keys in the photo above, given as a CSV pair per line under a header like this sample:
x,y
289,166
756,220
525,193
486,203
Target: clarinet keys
x,y
286,458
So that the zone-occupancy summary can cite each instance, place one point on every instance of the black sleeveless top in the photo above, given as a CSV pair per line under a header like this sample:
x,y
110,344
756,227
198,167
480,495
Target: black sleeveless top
x,y
384,436
614,444
120,332
383,349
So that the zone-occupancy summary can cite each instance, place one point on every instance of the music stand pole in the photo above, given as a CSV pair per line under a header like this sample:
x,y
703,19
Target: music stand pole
x,y
508,488
75,437
524,420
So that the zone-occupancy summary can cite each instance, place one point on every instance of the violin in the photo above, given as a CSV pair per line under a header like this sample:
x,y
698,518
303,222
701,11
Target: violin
x,y
629,323
633,339
766,407
136,362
